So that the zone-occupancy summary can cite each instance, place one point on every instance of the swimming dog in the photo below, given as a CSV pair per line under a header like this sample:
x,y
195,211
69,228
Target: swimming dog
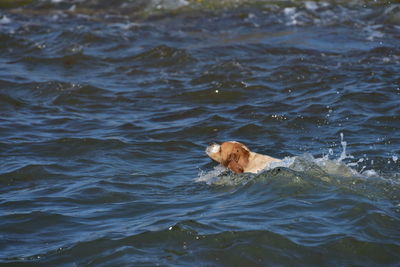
x,y
238,158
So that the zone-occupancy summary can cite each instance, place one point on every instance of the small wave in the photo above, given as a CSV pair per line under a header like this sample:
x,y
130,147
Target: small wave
x,y
214,94
75,59
182,244
30,172
84,96
164,56
8,101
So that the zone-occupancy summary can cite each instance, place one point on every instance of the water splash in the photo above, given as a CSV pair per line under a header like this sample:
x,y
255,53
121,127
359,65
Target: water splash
x,y
210,176
5,20
344,146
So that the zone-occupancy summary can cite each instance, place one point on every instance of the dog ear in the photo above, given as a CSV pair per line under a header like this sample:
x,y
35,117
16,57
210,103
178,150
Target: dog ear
x,y
234,157
234,166
233,163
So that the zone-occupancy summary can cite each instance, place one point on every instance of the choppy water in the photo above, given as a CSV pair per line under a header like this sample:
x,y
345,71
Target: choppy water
x,y
106,110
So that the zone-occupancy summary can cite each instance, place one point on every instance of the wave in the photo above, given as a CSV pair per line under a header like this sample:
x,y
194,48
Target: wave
x,y
181,244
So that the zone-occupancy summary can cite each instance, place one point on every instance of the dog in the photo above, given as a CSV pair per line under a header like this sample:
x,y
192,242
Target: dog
x,y
238,158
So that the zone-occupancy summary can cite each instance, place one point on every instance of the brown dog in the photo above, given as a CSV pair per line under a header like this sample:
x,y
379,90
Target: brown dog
x,y
238,157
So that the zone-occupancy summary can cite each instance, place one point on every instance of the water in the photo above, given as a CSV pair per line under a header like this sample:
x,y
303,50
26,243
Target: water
x,y
106,110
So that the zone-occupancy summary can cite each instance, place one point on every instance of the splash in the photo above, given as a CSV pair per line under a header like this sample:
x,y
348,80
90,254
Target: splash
x,y
210,176
344,146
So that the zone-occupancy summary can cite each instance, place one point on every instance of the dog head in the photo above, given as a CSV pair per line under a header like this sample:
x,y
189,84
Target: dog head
x,y
232,155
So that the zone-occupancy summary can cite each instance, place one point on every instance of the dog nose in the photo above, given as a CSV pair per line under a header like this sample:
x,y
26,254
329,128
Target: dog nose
x,y
213,148
212,143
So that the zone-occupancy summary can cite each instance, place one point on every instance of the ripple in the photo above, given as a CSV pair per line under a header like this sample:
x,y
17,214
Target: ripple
x,y
21,225
178,115
163,56
8,101
213,96
30,173
81,95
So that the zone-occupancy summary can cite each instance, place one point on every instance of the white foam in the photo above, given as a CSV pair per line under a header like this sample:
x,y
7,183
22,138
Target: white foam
x,y
210,176
370,173
170,4
292,16
311,5
373,32
5,20
127,26
286,162
289,11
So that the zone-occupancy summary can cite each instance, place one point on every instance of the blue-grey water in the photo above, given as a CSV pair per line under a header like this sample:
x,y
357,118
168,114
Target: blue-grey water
x,y
106,108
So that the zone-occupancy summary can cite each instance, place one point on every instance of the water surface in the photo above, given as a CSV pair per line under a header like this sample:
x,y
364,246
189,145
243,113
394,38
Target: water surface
x,y
106,110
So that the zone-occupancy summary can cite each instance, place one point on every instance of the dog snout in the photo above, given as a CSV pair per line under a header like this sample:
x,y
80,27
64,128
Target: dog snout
x,y
212,148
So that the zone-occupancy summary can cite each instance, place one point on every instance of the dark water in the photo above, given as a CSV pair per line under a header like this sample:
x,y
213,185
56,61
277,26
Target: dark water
x,y
106,108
